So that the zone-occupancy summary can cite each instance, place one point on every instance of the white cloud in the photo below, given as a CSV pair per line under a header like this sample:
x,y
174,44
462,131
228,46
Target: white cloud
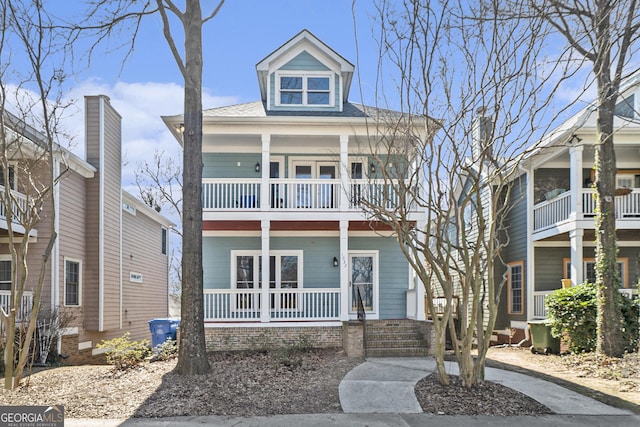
x,y
140,105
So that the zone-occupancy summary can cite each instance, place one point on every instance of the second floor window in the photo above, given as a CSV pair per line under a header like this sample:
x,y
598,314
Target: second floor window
x,y
11,175
304,90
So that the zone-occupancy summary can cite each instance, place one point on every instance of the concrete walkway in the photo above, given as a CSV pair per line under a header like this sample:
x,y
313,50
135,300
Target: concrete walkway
x,y
379,393
385,385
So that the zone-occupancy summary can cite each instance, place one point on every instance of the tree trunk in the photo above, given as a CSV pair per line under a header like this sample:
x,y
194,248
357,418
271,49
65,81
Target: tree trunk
x,y
609,336
192,354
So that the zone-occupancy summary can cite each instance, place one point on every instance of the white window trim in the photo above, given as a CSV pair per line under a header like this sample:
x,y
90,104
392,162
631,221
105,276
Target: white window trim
x,y
256,271
64,279
305,75
522,288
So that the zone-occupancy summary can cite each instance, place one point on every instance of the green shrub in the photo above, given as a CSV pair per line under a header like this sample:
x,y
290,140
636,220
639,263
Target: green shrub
x,y
123,353
573,311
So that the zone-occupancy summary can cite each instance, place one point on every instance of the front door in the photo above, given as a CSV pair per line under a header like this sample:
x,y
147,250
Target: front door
x,y
363,276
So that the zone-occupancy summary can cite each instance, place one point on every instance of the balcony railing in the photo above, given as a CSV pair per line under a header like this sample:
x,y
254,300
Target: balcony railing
x,y
21,201
244,305
551,212
296,194
25,306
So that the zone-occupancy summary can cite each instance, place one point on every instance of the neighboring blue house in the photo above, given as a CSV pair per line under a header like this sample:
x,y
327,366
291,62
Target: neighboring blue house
x,y
283,178
552,224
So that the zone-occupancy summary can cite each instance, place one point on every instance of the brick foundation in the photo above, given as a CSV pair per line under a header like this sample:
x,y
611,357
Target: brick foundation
x,y
258,338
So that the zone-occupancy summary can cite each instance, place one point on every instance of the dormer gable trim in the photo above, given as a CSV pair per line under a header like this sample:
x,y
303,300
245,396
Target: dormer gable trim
x,y
304,41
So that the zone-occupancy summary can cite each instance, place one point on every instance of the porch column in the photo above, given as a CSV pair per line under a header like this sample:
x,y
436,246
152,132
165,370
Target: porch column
x,y
577,265
344,173
265,169
530,262
265,225
575,155
419,286
345,284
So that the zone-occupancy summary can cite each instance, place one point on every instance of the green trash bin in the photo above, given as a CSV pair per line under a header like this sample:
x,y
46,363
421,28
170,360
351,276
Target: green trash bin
x,y
541,339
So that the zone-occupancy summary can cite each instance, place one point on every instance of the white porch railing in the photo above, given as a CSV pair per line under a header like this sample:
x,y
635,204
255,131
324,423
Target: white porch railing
x,y
311,194
227,194
25,306
627,206
551,212
21,201
244,305
296,194
540,310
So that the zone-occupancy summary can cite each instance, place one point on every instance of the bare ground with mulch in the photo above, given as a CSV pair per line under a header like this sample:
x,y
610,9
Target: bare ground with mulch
x,y
288,382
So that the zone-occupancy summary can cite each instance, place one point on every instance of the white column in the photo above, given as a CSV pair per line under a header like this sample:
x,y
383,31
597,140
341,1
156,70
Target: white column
x,y
264,185
530,262
575,155
577,264
264,293
345,175
345,283
420,291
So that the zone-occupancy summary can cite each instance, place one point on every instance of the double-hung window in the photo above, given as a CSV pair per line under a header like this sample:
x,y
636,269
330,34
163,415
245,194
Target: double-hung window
x,y
590,270
304,90
516,287
72,282
5,274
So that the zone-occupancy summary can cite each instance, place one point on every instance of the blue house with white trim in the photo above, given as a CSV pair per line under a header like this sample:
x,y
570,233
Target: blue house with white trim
x,y
283,180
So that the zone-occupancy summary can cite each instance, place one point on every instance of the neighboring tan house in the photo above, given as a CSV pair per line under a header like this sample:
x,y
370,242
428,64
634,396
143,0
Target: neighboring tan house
x,y
282,179
109,263
552,223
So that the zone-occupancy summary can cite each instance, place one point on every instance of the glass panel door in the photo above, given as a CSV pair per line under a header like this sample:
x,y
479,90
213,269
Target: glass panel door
x,y
362,281
303,191
326,196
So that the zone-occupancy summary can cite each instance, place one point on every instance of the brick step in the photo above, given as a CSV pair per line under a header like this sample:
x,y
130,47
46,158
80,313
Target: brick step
x,y
390,329
397,352
396,344
377,336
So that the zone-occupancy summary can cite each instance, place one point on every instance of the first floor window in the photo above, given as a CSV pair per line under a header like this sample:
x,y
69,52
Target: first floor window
x,y
12,178
590,270
71,283
5,275
516,287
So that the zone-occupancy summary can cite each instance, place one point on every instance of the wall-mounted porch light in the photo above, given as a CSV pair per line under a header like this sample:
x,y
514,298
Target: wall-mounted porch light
x,y
258,167
335,261
372,168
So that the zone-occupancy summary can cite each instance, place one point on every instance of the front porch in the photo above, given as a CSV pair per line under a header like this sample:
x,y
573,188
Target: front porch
x,y
24,310
540,310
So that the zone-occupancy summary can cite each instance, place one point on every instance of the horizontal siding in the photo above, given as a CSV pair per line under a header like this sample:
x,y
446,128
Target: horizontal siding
x,y
549,269
225,165
304,61
142,250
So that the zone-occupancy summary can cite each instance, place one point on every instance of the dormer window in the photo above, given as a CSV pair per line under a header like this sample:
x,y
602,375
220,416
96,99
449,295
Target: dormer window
x,y
305,89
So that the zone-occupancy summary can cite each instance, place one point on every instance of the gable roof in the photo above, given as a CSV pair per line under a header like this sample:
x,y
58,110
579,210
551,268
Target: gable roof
x,y
304,41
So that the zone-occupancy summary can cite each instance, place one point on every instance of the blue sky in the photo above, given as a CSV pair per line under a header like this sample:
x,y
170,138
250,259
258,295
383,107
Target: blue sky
x,y
149,85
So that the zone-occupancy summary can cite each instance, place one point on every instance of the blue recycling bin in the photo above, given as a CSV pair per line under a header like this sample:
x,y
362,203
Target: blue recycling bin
x,y
162,330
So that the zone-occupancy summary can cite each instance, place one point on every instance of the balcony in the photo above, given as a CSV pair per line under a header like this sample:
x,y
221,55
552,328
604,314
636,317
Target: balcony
x,y
295,195
21,201
558,210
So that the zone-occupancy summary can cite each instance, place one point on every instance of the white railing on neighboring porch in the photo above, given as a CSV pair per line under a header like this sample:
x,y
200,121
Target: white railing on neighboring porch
x,y
540,310
25,307
296,194
18,198
627,206
551,212
244,305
